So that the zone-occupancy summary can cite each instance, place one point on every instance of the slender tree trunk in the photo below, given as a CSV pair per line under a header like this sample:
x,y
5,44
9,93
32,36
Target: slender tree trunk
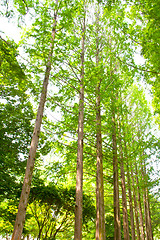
x,y
20,218
100,219
139,205
135,205
130,205
79,176
145,214
149,216
123,185
100,211
129,192
124,202
117,221
145,203
148,224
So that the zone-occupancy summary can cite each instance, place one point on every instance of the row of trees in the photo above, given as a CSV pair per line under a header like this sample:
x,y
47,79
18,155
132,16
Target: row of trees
x,y
85,52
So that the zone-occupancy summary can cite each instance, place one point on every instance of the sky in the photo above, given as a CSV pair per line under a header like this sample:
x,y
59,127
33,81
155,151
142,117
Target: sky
x,y
10,29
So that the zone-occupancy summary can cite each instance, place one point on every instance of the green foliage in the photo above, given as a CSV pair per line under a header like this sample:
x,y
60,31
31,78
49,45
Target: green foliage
x,y
15,119
8,211
54,205
145,19
109,227
9,65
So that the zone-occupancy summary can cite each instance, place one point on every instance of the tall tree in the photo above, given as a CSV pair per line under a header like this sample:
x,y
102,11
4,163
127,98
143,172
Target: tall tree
x,y
100,216
123,185
79,175
117,221
130,204
129,183
139,204
20,218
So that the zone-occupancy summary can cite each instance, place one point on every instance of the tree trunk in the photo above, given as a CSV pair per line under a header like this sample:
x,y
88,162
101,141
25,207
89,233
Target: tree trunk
x,y
129,193
79,176
124,202
148,224
123,185
145,213
100,218
100,211
139,205
20,218
135,206
149,216
117,221
131,205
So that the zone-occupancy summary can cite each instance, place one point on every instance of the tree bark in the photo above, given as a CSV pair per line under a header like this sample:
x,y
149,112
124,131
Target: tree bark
x,y
100,211
129,192
145,213
135,205
100,216
20,218
123,185
79,176
149,216
117,221
139,205
148,224
131,205
124,198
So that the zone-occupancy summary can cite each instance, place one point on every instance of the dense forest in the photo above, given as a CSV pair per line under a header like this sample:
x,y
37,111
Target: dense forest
x,y
79,138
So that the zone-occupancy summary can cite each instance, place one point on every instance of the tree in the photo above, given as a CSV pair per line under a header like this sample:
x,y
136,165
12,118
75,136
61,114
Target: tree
x,y
100,217
79,176
20,218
